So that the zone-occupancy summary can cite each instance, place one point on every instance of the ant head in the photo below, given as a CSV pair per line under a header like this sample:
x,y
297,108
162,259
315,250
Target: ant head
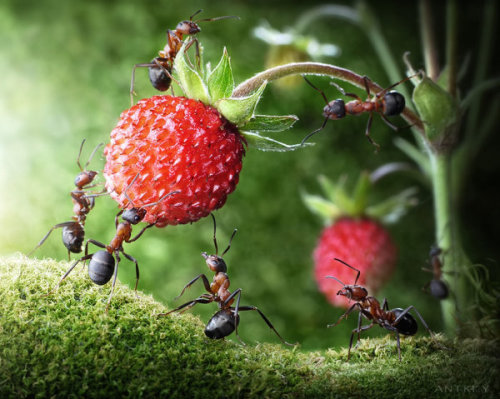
x,y
355,292
134,215
394,103
334,109
188,28
85,177
215,263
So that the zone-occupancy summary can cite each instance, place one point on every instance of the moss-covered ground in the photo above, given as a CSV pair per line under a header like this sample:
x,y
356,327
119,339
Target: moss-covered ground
x,y
65,345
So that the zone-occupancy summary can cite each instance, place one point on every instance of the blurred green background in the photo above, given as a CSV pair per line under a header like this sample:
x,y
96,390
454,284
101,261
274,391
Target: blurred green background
x,y
65,71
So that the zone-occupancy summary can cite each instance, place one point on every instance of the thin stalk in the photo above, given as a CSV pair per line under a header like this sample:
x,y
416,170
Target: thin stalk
x,y
451,46
428,40
315,68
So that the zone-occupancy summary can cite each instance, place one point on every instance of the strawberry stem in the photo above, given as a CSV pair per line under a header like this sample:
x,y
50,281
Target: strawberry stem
x,y
315,68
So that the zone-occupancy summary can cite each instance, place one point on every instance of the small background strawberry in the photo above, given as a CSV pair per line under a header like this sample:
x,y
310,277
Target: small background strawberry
x,y
354,234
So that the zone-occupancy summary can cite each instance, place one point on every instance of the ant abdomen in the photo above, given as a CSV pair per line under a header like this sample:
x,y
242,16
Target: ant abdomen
x,y
407,325
394,103
158,76
221,324
438,289
101,267
73,236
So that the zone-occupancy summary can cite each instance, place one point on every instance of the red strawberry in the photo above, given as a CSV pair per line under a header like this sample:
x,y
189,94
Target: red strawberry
x,y
363,244
355,234
173,144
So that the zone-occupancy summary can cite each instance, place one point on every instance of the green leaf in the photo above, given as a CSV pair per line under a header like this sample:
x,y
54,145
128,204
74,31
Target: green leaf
x,y
239,110
320,206
436,107
270,123
264,143
191,82
221,81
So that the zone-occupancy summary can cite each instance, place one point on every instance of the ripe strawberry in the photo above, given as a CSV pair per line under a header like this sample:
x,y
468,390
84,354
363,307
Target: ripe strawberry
x,y
190,145
174,144
354,234
364,244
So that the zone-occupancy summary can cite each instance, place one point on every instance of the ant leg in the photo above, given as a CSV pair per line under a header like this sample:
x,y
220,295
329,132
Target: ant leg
x,y
96,243
358,330
401,315
392,126
65,224
132,259
314,132
141,232
245,308
188,305
132,80
115,275
236,310
344,92
345,314
367,133
84,258
316,88
205,283
385,304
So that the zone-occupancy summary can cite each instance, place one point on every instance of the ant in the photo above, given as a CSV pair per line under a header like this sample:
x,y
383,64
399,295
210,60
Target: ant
x,y
398,320
436,287
73,232
160,68
385,103
226,320
102,265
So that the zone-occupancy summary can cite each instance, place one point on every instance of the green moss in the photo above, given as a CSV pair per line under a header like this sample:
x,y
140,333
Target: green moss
x,y
64,345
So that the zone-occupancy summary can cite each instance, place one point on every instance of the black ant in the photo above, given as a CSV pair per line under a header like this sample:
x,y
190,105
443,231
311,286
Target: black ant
x,y
398,320
73,232
226,320
102,265
160,68
436,287
385,103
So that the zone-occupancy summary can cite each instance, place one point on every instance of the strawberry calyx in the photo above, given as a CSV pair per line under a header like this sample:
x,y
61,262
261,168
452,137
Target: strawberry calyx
x,y
338,202
214,87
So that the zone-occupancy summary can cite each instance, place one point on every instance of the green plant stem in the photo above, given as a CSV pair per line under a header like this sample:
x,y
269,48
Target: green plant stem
x,y
447,238
315,68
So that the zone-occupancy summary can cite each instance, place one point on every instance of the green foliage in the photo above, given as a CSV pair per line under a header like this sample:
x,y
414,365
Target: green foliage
x,y
64,345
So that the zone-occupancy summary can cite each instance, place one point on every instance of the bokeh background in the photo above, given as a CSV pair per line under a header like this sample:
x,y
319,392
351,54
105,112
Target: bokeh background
x,y
65,71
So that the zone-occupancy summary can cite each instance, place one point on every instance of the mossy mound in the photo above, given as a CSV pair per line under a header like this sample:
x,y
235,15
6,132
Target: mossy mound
x,y
65,345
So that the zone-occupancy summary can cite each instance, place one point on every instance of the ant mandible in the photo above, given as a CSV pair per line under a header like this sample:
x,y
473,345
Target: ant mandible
x,y
102,265
385,103
397,320
73,232
226,320
436,287
160,68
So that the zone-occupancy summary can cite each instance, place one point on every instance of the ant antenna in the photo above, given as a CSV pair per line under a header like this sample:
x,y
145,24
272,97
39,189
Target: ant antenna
x,y
336,279
195,14
152,203
91,155
215,238
353,268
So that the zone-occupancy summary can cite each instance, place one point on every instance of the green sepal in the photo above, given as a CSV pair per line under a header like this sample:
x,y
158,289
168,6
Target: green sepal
x,y
360,193
191,82
270,123
220,80
239,110
264,143
393,208
435,106
322,207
